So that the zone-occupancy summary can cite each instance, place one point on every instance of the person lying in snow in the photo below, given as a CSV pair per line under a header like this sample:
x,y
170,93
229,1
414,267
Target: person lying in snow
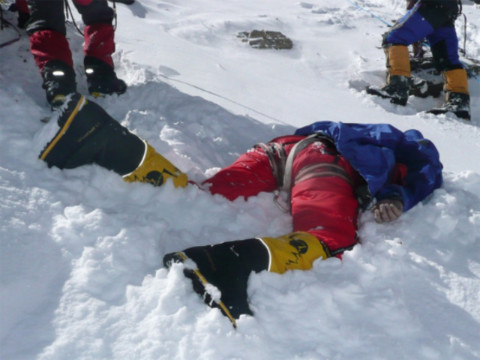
x,y
329,171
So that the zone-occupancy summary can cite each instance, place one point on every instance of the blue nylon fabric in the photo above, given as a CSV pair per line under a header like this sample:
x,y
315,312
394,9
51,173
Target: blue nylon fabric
x,y
449,35
413,27
374,149
410,29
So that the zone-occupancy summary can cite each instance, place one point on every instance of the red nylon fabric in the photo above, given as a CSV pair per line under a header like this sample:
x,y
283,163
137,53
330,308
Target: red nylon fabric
x,y
99,42
83,2
324,206
22,6
49,45
249,175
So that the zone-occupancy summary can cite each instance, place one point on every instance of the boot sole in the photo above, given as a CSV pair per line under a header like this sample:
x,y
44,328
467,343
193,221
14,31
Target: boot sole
x,y
461,114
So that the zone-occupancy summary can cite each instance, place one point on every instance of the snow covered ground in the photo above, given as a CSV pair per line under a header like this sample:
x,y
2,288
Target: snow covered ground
x,y
80,251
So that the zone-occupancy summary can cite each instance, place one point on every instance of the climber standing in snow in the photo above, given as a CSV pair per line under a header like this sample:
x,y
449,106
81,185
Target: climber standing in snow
x,y
435,21
326,171
51,51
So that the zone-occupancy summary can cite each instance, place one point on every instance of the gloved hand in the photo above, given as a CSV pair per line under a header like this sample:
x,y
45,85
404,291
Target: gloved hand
x,y
387,210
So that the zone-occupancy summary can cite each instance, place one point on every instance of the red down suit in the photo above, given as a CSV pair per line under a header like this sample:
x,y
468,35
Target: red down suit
x,y
324,183
322,204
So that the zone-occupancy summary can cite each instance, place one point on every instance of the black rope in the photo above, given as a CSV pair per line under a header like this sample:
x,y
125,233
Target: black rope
x,y
69,14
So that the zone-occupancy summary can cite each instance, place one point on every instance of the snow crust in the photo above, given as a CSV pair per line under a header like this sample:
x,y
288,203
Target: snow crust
x,y
80,252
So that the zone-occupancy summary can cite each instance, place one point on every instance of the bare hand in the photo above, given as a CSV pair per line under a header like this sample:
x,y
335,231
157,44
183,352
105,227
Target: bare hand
x,y
387,210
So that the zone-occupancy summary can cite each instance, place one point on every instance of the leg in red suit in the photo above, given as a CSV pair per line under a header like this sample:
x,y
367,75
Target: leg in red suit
x,y
52,54
324,206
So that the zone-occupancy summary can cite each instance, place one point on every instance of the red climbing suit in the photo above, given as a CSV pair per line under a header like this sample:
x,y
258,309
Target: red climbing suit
x,y
323,200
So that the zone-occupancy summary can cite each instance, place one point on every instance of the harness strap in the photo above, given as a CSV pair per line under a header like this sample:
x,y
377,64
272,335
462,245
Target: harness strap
x,y
321,170
287,174
281,166
276,157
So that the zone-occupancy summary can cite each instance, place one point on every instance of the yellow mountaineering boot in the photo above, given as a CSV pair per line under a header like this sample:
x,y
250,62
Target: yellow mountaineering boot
x,y
155,169
457,98
294,251
456,81
398,60
88,135
228,265
398,77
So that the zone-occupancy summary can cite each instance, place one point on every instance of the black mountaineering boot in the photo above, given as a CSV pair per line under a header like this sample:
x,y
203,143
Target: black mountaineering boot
x,y
457,103
396,89
227,266
58,81
87,134
101,78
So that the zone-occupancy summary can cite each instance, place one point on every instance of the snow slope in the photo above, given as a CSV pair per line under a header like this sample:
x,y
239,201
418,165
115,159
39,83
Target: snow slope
x,y
80,251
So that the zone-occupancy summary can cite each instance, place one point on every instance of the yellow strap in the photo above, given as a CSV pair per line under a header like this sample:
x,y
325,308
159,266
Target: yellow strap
x,y
64,128
205,283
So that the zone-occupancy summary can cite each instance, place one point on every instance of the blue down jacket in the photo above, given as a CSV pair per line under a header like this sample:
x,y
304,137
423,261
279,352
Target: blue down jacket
x,y
374,149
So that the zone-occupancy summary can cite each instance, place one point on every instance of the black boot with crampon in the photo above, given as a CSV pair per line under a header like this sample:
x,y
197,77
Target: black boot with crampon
x,y
101,78
87,134
226,266
457,103
396,89
58,82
